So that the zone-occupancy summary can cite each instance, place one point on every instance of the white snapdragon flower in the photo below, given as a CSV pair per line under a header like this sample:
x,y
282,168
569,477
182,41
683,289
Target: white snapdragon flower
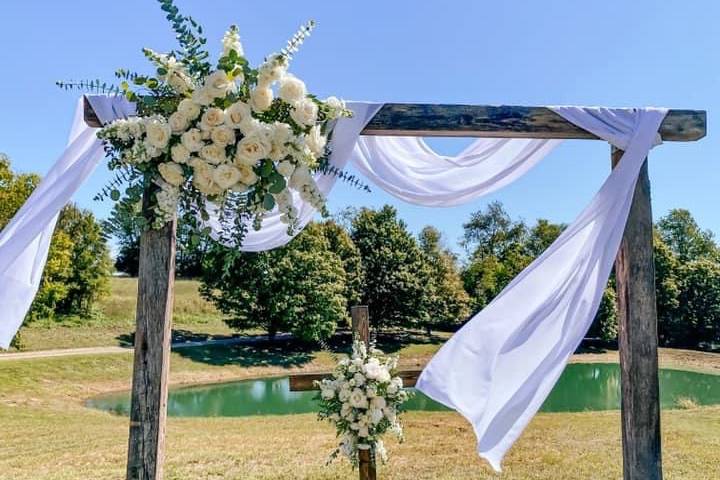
x,y
225,176
304,112
261,98
190,109
172,173
178,122
222,135
192,140
236,113
272,70
157,132
231,41
179,153
252,148
213,153
167,200
212,117
292,89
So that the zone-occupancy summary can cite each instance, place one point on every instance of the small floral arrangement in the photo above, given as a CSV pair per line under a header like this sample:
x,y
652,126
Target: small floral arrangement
x,y
240,137
363,400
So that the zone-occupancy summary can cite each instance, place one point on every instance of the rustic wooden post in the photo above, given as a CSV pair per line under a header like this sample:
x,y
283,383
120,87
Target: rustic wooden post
x,y
152,351
361,331
638,340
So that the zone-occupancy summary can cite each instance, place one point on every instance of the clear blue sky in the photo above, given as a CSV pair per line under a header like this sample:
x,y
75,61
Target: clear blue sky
x,y
613,53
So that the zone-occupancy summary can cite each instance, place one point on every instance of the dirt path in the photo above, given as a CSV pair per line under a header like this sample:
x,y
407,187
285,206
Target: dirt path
x,y
66,352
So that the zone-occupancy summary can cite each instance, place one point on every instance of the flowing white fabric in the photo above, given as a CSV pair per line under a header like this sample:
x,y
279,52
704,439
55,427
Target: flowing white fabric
x,y
499,368
25,241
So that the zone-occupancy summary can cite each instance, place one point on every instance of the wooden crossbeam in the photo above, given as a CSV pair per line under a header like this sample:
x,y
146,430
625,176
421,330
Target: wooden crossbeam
x,y
431,120
306,381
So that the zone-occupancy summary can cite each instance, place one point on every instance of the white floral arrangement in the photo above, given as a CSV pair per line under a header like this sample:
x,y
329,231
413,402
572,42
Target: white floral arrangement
x,y
243,138
363,400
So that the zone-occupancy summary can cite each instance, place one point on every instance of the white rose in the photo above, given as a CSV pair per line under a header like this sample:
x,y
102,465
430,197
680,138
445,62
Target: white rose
x,y
384,376
179,153
219,84
344,394
247,174
304,112
202,96
261,99
236,113
327,393
376,415
226,176
359,379
372,369
203,178
178,122
378,402
172,173
316,141
292,89
213,153
251,149
157,131
285,168
358,399
222,135
212,117
192,140
190,109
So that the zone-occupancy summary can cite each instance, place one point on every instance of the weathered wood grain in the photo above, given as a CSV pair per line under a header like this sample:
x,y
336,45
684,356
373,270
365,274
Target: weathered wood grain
x,y
507,121
637,319
432,120
152,352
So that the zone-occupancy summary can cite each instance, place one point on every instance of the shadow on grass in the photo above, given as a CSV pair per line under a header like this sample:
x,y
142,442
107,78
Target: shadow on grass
x,y
262,353
178,336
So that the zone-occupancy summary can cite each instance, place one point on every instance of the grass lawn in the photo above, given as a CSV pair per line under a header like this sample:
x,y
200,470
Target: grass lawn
x,y
49,434
193,317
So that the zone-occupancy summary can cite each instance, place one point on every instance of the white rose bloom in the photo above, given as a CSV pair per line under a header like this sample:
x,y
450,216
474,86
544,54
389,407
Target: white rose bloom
x,y
292,89
192,140
251,149
202,96
359,379
316,141
371,392
203,178
344,394
190,109
219,84
178,122
157,132
213,153
285,168
376,415
373,369
222,135
392,389
384,376
304,112
261,98
212,117
251,126
236,113
378,402
172,173
225,176
239,187
358,399
327,393
179,153
247,174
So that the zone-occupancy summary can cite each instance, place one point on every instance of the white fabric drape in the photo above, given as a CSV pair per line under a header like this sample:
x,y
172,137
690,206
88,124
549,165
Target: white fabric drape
x,y
499,368
25,241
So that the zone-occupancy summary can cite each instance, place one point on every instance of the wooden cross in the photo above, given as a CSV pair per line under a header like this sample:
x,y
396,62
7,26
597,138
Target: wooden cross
x,y
634,267
306,381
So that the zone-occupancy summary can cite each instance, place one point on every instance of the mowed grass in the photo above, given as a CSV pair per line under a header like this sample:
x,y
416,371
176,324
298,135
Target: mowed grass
x,y
114,322
49,434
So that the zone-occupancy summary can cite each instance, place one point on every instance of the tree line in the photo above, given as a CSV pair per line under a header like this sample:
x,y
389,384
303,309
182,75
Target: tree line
x,y
366,256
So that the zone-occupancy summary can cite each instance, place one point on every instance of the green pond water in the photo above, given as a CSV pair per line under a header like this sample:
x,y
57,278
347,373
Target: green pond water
x,y
581,387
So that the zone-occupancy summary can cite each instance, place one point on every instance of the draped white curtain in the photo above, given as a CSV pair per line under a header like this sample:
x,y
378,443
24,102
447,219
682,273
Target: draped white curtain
x,y
499,368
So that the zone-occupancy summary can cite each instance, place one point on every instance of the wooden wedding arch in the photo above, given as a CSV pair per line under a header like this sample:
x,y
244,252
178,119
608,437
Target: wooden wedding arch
x,y
634,270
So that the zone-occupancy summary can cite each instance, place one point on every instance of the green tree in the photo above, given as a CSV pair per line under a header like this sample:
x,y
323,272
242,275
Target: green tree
x,y
298,288
396,273
699,303
449,302
605,325
686,240
341,244
123,225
